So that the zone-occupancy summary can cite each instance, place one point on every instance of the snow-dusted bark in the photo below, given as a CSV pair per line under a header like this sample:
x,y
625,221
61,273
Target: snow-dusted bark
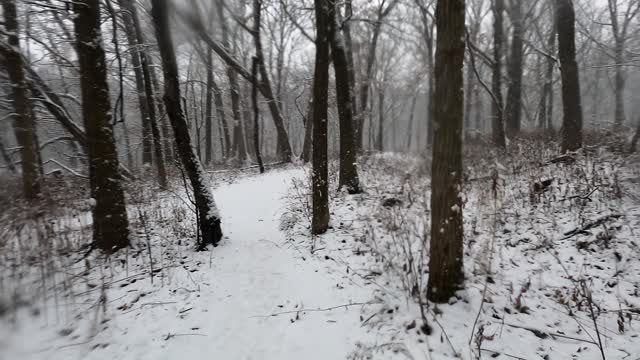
x,y
348,168
110,223
208,216
320,183
445,263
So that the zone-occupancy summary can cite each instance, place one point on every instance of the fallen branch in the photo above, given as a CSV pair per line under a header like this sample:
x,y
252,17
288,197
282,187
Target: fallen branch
x,y
316,310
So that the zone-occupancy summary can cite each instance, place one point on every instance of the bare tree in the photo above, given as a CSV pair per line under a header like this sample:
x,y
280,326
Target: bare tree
x,y
348,169
513,110
571,103
110,223
497,111
445,263
23,122
320,180
208,217
622,13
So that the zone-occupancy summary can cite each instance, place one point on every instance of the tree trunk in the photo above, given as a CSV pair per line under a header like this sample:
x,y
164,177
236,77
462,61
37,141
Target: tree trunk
x,y
208,141
619,84
366,83
348,178
572,108
380,138
217,95
144,86
546,98
308,133
445,262
256,115
514,93
23,123
497,113
110,222
208,217
284,146
320,180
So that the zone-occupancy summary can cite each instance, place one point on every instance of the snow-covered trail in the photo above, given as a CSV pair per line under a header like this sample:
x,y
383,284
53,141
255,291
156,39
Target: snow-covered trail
x,y
221,311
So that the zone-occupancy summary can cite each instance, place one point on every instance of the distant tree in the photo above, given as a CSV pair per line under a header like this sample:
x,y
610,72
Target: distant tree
x,y
622,13
208,217
320,180
445,262
144,87
348,178
513,110
571,103
497,111
110,223
23,121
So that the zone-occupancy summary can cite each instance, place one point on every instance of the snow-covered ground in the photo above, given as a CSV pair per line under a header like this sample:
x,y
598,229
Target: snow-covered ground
x,y
540,268
213,305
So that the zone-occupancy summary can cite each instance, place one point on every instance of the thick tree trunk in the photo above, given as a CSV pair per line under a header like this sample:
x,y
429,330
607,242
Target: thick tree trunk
x,y
23,123
366,84
320,180
110,222
208,217
348,178
144,88
348,43
514,93
497,113
571,103
445,263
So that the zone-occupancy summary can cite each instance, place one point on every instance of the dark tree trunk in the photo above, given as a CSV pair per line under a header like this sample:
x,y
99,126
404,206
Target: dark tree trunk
x,y
320,180
144,86
348,178
208,217
497,113
110,223
571,105
23,123
348,43
445,263
514,92
256,116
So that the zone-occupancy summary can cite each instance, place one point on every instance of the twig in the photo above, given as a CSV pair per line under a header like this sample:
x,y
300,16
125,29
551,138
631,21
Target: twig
x,y
316,310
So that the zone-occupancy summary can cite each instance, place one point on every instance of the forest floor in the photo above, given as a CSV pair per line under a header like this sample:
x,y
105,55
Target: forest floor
x,y
552,274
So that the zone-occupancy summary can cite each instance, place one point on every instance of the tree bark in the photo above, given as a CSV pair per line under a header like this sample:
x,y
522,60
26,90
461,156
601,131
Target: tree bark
x,y
571,103
497,113
144,88
348,178
256,116
308,133
514,92
208,216
445,263
320,180
208,141
23,123
110,222
217,95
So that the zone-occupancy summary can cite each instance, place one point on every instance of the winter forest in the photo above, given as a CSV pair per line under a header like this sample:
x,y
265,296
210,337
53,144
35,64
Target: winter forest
x,y
319,179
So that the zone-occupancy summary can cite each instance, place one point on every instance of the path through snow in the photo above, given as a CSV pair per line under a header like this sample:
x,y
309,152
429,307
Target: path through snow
x,y
220,314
